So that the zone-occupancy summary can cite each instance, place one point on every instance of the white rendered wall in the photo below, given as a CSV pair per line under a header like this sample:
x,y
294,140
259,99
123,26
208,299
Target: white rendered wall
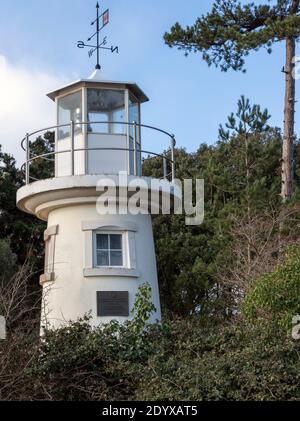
x,y
97,162
63,160
110,161
71,295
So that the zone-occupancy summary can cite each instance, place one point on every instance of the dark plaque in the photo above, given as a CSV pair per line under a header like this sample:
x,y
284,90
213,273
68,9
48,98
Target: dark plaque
x,y
112,303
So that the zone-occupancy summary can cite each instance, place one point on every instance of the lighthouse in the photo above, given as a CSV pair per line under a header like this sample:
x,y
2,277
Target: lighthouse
x,y
95,261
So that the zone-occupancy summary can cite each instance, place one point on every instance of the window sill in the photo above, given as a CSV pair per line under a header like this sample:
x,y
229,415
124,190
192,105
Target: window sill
x,y
122,272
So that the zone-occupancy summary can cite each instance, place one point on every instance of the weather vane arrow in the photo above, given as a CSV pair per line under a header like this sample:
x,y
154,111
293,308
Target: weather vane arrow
x,y
101,21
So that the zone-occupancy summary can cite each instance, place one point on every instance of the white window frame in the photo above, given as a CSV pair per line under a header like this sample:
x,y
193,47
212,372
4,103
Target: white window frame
x,y
128,231
124,247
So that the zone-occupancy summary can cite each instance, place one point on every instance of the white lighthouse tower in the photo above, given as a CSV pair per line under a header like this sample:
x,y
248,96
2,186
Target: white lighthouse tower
x,y
95,262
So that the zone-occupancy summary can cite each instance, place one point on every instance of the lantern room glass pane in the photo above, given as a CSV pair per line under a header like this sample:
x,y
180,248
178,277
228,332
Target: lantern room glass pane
x,y
107,106
133,110
69,108
95,127
133,116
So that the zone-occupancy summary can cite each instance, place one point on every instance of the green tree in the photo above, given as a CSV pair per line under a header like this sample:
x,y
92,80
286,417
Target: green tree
x,y
42,168
8,261
242,175
275,296
230,31
249,140
24,231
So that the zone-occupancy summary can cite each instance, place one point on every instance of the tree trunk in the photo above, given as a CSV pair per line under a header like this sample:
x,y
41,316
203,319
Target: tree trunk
x,y
289,115
289,120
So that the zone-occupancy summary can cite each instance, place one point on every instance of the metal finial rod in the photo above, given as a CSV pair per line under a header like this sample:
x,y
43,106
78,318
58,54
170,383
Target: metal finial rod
x,y
104,17
98,67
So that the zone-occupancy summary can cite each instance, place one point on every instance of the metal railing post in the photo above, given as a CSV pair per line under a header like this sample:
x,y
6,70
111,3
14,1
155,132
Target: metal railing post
x,y
136,160
72,134
165,166
27,175
173,143
134,149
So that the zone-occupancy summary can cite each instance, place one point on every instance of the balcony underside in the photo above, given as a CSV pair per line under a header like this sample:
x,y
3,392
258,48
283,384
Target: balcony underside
x,y
40,197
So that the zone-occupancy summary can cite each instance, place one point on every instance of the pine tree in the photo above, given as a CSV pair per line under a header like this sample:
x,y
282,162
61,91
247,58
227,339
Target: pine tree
x,y
227,34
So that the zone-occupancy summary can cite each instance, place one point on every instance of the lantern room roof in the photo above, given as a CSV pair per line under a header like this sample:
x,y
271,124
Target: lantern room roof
x,y
98,77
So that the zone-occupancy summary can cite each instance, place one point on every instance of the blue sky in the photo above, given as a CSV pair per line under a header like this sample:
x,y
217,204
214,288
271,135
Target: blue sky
x,y
38,38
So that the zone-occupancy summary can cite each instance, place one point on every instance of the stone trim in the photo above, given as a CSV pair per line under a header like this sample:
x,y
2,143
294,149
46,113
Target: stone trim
x,y
47,277
50,231
49,238
122,272
108,225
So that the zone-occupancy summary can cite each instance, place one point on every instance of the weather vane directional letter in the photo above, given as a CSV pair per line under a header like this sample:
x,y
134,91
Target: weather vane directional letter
x,y
101,21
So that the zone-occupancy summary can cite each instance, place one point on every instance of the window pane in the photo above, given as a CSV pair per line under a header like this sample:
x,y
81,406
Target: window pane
x,y
69,108
102,258
119,117
115,241
97,127
109,103
102,241
133,110
116,258
134,116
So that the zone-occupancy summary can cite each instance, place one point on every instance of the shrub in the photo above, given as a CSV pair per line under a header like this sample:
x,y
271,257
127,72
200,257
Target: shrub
x,y
182,359
78,362
196,362
275,296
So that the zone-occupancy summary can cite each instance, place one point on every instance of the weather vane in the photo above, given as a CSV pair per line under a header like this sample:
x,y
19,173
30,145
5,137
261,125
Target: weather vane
x,y
101,21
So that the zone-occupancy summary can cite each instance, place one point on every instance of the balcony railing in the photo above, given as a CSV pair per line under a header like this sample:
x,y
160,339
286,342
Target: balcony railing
x,y
168,157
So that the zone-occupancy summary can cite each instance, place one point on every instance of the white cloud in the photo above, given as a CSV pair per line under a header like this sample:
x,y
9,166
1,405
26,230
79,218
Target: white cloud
x,y
24,106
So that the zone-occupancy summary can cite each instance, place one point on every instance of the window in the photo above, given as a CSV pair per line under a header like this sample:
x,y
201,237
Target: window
x,y
69,108
108,106
109,249
107,243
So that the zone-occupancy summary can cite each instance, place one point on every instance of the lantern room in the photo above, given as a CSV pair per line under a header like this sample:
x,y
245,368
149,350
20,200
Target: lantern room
x,y
98,127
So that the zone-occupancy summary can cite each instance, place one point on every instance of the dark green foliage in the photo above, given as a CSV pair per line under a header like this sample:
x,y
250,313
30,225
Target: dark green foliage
x,y
96,363
242,177
181,360
8,261
185,258
227,34
217,362
275,296
24,231
42,168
